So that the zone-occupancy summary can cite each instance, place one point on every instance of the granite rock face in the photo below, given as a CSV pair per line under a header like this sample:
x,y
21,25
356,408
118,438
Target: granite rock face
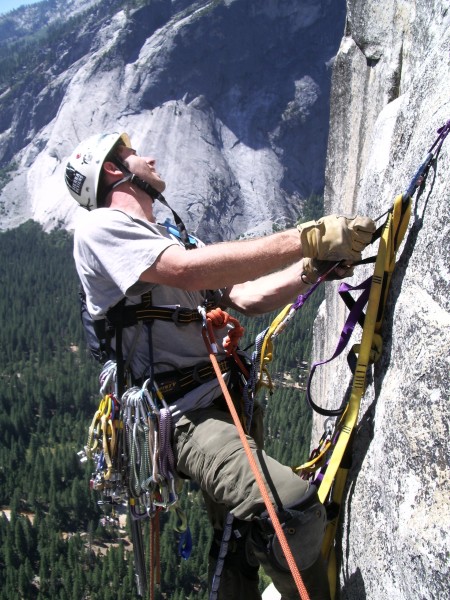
x,y
390,94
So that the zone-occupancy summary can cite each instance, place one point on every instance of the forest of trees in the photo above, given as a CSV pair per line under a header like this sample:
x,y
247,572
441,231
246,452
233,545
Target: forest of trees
x,y
54,540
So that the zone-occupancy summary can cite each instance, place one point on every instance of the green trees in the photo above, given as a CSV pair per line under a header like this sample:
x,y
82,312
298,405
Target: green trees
x,y
47,381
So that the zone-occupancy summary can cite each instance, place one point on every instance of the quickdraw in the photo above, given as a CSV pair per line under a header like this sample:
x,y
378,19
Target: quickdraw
x,y
151,471
129,443
329,463
103,440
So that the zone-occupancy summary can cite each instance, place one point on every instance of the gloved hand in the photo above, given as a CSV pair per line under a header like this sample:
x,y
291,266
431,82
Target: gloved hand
x,y
336,238
314,268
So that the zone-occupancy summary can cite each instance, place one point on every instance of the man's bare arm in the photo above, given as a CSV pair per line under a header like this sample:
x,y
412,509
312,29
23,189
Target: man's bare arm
x,y
332,238
267,293
225,264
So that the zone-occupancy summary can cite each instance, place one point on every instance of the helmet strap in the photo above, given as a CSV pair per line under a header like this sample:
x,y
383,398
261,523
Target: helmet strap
x,y
132,178
154,195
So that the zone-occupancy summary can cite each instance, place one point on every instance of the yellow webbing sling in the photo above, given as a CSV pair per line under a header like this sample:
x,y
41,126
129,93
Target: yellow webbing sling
x,y
368,352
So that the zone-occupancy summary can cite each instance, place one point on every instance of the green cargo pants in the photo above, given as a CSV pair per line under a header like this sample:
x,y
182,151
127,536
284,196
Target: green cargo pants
x,y
208,450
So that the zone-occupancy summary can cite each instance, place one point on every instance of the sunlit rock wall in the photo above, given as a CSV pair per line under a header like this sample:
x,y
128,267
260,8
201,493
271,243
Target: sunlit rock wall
x,y
390,93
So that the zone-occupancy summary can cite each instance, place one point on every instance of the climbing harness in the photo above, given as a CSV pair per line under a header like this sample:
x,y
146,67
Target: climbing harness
x,y
329,463
129,440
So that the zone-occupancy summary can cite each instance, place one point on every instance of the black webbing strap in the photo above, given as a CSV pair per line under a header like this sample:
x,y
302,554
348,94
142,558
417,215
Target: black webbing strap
x,y
177,383
121,316
179,223
127,316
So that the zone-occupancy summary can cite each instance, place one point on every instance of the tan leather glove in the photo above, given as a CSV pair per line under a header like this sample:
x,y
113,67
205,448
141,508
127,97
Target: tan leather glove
x,y
336,238
314,268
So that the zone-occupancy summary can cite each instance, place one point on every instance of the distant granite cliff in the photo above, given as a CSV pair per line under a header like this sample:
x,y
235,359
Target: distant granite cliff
x,y
390,93
230,96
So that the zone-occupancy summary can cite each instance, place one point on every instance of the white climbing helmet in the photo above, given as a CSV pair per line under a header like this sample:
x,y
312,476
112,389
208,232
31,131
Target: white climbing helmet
x,y
85,164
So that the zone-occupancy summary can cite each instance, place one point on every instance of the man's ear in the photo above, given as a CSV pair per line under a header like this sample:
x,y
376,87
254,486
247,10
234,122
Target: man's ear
x,y
111,168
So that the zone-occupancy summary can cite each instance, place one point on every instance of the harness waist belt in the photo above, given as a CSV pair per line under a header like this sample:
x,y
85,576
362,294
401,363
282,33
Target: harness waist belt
x,y
126,316
174,384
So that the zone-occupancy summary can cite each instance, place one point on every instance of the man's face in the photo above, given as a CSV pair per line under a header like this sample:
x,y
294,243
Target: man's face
x,y
142,166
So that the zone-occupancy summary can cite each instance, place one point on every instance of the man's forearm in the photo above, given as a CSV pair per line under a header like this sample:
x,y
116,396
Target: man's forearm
x,y
226,264
332,238
267,293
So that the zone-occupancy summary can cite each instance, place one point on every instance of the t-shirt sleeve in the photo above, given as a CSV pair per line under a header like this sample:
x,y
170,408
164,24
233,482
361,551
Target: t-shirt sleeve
x,y
122,248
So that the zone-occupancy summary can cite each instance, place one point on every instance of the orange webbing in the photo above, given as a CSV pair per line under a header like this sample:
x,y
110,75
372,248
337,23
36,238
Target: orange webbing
x,y
254,467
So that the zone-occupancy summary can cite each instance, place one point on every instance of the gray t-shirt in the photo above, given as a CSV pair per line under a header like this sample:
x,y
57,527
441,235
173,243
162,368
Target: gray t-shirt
x,y
111,251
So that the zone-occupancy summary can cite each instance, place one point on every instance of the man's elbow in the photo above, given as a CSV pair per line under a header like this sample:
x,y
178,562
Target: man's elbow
x,y
178,273
250,306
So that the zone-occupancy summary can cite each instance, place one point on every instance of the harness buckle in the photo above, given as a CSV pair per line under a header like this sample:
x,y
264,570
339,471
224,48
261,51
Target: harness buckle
x,y
179,313
196,375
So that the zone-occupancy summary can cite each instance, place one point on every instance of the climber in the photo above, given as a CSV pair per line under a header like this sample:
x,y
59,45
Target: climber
x,y
121,252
